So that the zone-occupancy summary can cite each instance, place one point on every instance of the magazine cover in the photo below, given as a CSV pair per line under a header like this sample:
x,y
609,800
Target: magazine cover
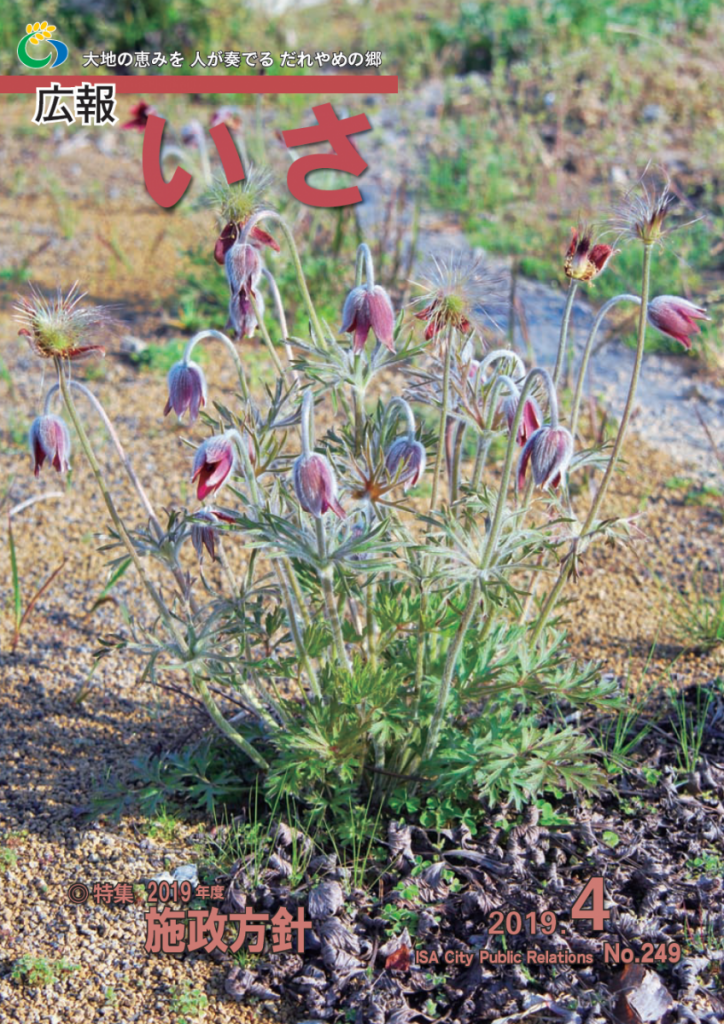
x,y
361,512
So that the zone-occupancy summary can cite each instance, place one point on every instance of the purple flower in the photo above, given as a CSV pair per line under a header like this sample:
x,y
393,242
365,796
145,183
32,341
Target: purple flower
x,y
203,535
186,390
366,310
531,420
241,312
214,462
243,266
49,439
405,461
316,485
675,317
549,451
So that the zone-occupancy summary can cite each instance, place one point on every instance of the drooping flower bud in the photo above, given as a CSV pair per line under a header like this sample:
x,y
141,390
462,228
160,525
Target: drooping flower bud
x,y
316,485
675,317
366,310
204,534
192,134
585,261
405,461
49,439
186,390
549,451
531,420
140,114
243,266
214,462
241,312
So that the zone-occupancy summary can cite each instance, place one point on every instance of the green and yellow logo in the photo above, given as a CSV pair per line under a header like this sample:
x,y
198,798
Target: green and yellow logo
x,y
38,33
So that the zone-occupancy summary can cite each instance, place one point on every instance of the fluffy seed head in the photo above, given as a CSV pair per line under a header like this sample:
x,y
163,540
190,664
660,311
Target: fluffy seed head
x,y
61,328
457,293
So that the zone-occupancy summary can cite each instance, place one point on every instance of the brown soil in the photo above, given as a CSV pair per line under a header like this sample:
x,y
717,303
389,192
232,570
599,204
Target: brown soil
x,y
64,731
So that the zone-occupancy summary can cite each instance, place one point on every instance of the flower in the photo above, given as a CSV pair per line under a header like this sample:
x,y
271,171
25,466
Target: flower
x,y
203,535
405,461
214,462
186,390
585,261
140,114
192,134
230,116
59,328
241,312
366,308
675,317
531,420
49,439
549,451
243,265
456,294
316,485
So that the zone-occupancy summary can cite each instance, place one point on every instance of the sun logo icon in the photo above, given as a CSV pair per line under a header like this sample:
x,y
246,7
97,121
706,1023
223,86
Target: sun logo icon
x,y
35,34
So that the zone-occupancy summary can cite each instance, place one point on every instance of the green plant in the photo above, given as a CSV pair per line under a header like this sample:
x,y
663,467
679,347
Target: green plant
x,y
689,725
371,641
39,971
698,613
187,1002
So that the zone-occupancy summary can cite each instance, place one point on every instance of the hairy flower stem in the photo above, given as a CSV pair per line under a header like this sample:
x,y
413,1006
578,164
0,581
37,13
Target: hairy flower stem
x,y
229,345
326,580
198,684
371,625
443,418
457,458
228,730
281,315
449,671
286,231
266,336
569,561
138,486
600,316
511,449
280,569
364,267
251,697
563,340
481,456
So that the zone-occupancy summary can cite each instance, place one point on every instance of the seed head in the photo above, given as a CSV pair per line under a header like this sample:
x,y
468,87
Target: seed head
x,y
457,293
61,327
643,210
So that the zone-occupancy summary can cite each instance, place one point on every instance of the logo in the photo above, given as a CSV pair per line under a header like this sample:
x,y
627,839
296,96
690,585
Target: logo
x,y
38,33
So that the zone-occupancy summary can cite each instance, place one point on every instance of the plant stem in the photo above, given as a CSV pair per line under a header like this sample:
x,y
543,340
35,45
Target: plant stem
x,y
600,316
229,344
167,617
572,289
569,561
327,583
443,418
272,215
265,335
449,670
